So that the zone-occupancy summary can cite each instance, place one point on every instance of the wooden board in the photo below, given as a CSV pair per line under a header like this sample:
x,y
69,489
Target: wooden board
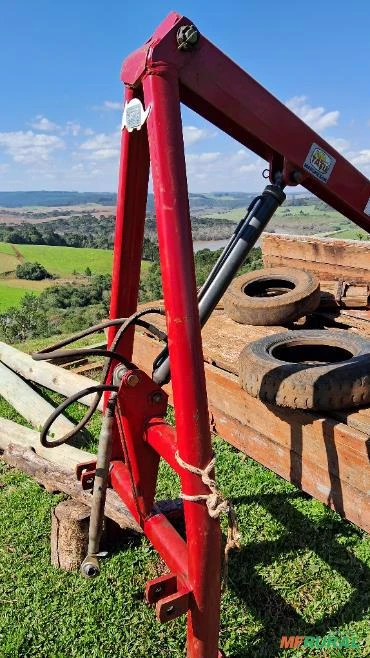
x,y
359,320
324,271
223,339
321,254
46,374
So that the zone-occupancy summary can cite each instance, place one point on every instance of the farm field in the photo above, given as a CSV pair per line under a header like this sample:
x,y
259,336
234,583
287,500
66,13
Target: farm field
x,y
63,262
294,219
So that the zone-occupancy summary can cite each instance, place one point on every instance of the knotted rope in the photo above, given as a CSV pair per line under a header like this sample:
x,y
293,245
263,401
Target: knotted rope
x,y
216,504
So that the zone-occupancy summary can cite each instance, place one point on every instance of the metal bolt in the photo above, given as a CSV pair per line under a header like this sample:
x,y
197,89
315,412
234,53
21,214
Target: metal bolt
x,y
187,37
170,610
157,397
158,589
132,380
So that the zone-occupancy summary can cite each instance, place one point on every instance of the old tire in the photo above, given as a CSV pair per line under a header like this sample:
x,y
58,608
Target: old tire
x,y
272,296
320,370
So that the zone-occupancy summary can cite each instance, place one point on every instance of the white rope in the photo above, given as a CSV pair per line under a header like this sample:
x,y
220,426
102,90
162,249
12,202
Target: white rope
x,y
216,503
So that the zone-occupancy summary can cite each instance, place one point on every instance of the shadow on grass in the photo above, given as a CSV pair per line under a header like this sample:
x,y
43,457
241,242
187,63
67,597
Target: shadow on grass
x,y
266,604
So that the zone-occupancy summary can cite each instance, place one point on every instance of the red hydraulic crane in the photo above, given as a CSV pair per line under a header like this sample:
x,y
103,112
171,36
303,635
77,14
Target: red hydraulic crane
x,y
178,64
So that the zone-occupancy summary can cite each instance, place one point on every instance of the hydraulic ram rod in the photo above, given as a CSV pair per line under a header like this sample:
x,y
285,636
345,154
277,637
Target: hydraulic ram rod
x,y
225,269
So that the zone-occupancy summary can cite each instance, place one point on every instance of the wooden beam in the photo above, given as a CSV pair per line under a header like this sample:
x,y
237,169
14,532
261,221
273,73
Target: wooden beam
x,y
54,478
306,474
324,271
348,254
46,374
29,403
65,456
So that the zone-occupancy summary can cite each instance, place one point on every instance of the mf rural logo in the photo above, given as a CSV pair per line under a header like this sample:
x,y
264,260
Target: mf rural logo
x,y
318,642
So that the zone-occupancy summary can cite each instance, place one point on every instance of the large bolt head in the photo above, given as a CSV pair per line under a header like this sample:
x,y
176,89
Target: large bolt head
x,y
132,380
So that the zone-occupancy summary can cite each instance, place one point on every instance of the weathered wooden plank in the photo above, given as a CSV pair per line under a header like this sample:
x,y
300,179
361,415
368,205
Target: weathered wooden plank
x,y
223,339
43,373
324,271
65,456
353,296
30,404
53,477
351,254
304,473
359,320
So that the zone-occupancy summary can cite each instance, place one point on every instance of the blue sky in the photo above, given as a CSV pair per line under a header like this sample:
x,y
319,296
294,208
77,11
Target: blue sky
x,y
61,93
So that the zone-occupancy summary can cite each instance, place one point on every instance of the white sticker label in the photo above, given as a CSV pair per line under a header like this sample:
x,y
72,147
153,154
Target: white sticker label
x,y
134,115
319,163
367,208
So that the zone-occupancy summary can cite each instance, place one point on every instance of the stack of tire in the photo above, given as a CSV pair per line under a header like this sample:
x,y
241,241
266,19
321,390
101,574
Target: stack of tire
x,y
300,369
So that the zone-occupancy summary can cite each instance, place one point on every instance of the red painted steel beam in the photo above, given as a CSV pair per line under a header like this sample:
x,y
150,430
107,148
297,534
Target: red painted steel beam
x,y
218,89
129,233
161,93
162,438
160,532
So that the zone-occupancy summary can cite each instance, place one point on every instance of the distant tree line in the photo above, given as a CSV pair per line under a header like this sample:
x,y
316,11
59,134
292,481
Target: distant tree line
x,y
98,232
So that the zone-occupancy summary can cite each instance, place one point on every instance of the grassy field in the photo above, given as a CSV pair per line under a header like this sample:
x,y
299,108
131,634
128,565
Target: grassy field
x,y
12,290
294,219
350,234
63,262
301,570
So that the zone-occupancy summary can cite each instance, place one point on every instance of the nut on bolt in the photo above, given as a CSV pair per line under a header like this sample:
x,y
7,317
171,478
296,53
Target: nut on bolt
x,y
90,567
187,37
157,397
132,380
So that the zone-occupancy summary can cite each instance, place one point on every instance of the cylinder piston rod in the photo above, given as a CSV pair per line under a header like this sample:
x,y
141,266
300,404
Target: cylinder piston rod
x,y
232,257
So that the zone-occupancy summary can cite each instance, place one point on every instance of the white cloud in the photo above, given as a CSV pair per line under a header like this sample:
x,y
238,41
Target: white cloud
x,y
361,158
108,106
340,144
72,128
88,132
102,146
203,157
316,117
27,146
192,134
42,123
212,171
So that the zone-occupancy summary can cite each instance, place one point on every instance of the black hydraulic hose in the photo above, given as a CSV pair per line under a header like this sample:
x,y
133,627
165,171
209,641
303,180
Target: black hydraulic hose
x,y
228,248
95,329
102,386
81,351
62,407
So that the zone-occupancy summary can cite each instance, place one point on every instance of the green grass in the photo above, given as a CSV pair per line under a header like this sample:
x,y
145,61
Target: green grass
x,y
60,261
350,234
12,290
301,570
10,296
6,248
63,261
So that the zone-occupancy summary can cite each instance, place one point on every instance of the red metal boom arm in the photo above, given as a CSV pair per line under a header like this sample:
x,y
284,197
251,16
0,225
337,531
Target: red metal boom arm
x,y
216,88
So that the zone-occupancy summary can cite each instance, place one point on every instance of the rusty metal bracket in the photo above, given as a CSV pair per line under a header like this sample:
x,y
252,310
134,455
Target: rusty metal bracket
x,y
171,599
85,473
